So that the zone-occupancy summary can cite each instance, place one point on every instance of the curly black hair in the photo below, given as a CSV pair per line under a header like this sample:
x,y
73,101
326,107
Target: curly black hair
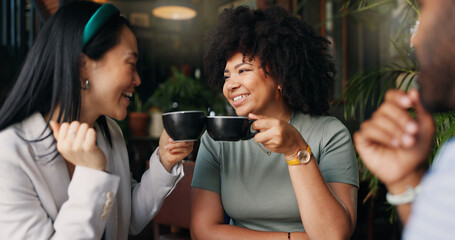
x,y
294,54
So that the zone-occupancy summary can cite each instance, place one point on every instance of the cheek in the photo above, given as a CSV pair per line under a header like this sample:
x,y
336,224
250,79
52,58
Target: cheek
x,y
131,72
269,89
107,92
225,92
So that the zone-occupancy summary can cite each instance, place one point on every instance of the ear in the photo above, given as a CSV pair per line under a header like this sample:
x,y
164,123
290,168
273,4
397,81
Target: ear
x,y
266,70
280,90
83,68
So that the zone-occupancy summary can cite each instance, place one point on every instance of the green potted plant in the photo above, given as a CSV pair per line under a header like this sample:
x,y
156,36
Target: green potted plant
x,y
181,92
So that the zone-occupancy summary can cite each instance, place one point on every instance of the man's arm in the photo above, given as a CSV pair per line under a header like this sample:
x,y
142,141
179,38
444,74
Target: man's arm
x,y
394,146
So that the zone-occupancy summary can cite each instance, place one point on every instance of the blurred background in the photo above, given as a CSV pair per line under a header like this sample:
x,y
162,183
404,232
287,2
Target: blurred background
x,y
370,43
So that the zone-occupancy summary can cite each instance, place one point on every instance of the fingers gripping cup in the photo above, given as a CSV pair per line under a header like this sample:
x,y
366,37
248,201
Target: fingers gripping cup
x,y
184,125
229,128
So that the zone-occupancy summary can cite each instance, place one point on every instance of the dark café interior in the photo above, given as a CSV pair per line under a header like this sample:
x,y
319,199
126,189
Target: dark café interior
x,y
369,43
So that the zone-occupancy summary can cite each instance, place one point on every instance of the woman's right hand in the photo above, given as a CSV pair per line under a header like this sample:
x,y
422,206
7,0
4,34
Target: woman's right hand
x,y
76,142
278,136
171,152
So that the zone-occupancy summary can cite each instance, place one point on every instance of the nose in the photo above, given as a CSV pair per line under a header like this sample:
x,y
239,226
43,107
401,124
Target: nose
x,y
232,83
136,80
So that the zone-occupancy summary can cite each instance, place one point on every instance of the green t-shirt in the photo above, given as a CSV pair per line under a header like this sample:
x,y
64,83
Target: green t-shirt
x,y
256,189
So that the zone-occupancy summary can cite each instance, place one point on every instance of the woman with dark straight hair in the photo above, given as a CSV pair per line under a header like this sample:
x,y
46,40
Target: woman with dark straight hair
x,y
64,169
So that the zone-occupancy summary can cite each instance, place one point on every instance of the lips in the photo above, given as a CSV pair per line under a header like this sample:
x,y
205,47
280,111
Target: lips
x,y
239,100
127,94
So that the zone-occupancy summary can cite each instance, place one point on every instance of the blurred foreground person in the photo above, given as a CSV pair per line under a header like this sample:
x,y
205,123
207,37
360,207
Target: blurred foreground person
x,y
395,146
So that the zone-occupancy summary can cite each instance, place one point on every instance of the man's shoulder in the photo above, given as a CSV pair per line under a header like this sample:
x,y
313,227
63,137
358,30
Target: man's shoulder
x,y
445,155
434,208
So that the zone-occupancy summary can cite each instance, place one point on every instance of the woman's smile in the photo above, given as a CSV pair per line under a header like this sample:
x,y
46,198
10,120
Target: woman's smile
x,y
127,96
239,100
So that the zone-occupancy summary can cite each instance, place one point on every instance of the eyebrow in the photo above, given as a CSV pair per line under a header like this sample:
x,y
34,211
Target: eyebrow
x,y
238,65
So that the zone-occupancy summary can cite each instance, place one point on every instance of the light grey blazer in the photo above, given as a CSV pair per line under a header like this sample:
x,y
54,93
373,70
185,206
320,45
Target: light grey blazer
x,y
38,200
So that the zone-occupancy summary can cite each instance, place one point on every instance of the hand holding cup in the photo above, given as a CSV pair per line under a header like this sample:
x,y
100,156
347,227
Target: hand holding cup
x,y
171,151
181,129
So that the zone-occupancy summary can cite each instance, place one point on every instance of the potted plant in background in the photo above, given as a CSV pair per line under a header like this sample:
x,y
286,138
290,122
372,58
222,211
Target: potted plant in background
x,y
138,118
182,92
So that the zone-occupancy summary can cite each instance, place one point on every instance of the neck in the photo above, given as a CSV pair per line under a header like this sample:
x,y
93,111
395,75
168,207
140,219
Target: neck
x,y
280,111
54,114
83,118
283,114
90,120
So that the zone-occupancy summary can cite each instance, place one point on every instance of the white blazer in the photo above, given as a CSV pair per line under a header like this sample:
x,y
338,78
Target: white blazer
x,y
38,200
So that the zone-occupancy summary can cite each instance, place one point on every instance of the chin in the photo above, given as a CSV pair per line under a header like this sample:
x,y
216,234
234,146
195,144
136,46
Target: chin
x,y
118,116
241,113
436,104
122,117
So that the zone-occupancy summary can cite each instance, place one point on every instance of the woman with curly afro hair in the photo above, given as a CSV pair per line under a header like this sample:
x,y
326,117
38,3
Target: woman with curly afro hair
x,y
273,68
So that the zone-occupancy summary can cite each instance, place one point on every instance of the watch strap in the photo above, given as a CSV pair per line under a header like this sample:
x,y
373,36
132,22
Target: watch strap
x,y
403,198
293,162
296,160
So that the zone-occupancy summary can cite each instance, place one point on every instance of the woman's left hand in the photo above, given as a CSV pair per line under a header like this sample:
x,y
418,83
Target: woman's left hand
x,y
171,152
278,136
76,142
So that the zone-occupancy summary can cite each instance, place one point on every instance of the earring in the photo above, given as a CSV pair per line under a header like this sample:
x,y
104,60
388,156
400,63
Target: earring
x,y
280,90
87,84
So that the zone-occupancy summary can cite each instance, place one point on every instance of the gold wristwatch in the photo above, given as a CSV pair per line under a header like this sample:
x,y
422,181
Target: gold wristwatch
x,y
303,157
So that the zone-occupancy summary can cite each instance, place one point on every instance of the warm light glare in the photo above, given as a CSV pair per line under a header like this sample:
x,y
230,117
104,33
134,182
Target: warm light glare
x,y
174,12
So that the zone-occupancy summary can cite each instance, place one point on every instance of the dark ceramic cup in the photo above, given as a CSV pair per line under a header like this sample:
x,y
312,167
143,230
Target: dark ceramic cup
x,y
229,128
184,125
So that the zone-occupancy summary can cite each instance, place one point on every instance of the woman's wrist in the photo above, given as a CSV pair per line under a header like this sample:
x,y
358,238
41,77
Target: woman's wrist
x,y
96,165
166,164
295,152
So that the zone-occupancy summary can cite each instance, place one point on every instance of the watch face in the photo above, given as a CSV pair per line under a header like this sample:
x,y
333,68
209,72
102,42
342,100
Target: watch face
x,y
304,156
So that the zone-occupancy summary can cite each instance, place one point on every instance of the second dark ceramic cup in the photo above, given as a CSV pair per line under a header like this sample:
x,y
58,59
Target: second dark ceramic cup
x,y
229,128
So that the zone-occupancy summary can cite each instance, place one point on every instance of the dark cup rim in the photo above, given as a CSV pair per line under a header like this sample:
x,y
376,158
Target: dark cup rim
x,y
230,117
183,112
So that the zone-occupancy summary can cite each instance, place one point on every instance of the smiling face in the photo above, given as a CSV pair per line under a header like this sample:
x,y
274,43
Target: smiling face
x,y
435,48
249,90
112,80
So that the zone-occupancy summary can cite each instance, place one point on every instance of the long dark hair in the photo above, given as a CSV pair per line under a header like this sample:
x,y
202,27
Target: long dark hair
x,y
50,73
288,48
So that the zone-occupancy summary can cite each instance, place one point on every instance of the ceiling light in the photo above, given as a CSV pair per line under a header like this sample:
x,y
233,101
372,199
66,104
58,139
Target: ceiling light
x,y
174,10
